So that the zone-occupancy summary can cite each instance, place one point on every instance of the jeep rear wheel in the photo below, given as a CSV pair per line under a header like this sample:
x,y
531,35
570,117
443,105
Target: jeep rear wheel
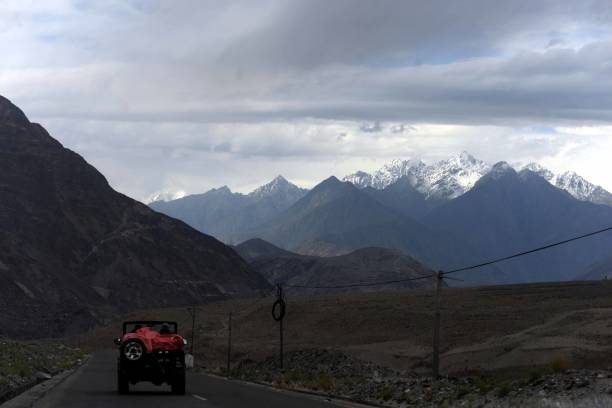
x,y
178,384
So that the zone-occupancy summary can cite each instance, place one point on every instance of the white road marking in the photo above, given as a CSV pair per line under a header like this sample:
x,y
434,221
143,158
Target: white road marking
x,y
198,397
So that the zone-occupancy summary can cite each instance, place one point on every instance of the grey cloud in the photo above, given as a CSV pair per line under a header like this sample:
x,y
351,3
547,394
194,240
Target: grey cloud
x,y
308,34
374,127
148,80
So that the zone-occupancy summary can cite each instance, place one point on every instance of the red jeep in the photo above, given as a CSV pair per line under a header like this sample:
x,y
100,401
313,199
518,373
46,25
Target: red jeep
x,y
151,351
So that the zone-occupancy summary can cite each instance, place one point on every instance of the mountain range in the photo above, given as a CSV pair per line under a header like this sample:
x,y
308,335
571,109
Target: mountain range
x,y
444,180
448,179
226,215
571,182
456,213
75,251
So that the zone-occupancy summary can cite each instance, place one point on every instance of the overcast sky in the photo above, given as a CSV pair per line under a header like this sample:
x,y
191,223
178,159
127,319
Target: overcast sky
x,y
168,96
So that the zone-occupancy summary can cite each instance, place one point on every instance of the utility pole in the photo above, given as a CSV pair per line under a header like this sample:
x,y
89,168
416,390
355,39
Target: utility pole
x,y
192,312
436,335
229,342
279,315
280,296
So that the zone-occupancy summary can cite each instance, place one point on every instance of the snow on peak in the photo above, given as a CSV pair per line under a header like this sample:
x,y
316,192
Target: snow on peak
x,y
573,183
164,196
448,179
445,179
540,171
360,179
500,169
576,185
279,185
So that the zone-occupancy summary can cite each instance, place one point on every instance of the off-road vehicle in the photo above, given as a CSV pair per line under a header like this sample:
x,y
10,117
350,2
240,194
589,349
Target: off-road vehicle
x,y
151,351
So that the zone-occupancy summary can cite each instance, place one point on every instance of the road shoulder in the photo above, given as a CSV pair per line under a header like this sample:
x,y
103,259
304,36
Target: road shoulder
x,y
30,397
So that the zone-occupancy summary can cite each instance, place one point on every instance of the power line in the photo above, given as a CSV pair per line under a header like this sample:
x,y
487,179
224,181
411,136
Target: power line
x,y
362,284
480,265
542,248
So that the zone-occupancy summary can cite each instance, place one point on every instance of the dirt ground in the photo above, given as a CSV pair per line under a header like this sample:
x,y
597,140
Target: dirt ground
x,y
497,328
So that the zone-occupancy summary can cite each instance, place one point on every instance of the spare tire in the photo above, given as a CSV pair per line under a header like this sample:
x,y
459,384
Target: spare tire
x,y
133,350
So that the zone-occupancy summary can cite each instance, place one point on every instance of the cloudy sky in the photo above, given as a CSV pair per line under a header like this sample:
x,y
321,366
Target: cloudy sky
x,y
168,96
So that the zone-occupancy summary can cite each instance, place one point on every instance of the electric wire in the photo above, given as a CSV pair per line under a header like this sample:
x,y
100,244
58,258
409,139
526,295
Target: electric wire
x,y
362,284
531,251
442,274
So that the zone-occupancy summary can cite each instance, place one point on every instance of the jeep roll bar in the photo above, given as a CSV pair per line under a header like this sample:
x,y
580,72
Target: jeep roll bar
x,y
173,325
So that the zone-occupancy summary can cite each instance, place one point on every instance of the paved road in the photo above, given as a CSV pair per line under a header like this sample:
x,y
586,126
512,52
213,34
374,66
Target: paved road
x,y
94,386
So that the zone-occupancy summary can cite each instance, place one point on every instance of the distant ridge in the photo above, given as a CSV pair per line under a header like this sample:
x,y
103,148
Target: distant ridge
x,y
362,265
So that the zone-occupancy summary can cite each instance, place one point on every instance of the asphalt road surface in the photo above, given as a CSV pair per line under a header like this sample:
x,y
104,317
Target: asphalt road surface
x,y
94,385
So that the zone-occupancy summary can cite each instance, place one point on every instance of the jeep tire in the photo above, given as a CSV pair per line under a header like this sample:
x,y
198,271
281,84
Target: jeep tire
x,y
178,384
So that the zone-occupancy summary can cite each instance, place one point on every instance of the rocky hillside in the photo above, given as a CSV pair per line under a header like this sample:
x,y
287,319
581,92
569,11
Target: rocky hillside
x,y
74,249
361,266
25,363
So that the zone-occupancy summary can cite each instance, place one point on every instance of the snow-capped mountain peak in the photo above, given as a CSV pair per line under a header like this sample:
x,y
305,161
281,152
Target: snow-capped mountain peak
x,y
164,196
450,178
573,183
453,177
360,179
396,169
577,186
278,186
540,171
445,179
500,168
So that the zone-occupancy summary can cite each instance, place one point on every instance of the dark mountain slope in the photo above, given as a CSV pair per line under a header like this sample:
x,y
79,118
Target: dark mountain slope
x,y
402,197
362,265
341,215
256,248
507,212
73,248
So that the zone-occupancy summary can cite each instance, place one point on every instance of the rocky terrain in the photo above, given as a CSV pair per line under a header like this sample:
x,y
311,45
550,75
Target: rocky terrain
x,y
74,250
23,364
331,372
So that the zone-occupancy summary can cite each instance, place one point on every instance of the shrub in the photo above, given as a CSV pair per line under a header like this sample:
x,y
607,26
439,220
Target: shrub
x,y
559,365
503,390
